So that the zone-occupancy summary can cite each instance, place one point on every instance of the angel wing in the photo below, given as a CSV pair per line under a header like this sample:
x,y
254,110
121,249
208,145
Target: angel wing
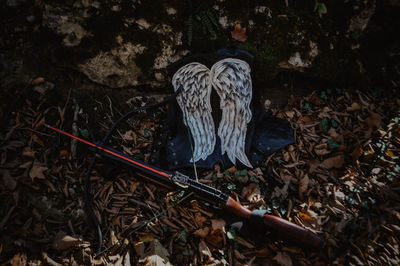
x,y
232,80
194,100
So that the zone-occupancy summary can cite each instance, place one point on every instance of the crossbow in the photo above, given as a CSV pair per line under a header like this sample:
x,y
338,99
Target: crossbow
x,y
175,179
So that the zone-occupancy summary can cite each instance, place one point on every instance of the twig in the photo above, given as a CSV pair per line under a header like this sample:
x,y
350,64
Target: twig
x,y
74,142
35,131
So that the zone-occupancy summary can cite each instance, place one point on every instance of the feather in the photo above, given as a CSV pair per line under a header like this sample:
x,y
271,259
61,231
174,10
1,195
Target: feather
x,y
232,80
194,101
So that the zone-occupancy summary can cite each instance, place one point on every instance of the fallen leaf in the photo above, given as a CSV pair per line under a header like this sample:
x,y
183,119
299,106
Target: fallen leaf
x,y
62,241
321,149
37,81
203,232
37,171
238,255
28,152
313,166
333,162
64,154
243,242
218,224
37,140
263,253
306,217
354,107
283,259
374,120
9,181
154,260
19,259
49,261
205,253
252,193
146,238
200,219
160,250
303,185
239,33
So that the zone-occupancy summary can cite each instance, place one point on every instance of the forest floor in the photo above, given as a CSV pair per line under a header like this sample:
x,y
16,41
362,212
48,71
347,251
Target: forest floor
x,y
340,180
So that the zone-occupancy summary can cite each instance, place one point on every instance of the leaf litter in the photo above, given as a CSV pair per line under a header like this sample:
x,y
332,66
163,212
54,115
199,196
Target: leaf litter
x,y
340,179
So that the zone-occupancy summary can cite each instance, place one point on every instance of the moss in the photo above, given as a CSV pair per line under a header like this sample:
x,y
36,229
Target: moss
x,y
266,61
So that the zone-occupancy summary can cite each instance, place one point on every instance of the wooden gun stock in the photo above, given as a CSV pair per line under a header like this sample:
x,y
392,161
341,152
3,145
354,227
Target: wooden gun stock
x,y
286,229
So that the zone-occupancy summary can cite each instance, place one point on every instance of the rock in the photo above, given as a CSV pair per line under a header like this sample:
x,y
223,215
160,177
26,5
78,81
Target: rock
x,y
65,22
115,68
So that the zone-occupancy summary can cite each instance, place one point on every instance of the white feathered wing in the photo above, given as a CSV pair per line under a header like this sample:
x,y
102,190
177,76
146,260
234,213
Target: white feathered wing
x,y
194,100
232,80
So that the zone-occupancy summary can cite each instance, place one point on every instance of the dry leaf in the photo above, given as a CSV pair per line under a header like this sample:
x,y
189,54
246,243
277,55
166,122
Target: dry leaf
x,y
28,152
321,149
37,81
333,162
19,259
154,260
203,232
37,171
239,33
200,219
218,224
205,252
49,260
238,255
64,154
252,193
62,241
37,140
283,259
303,185
354,107
263,253
9,181
243,242
313,166
374,120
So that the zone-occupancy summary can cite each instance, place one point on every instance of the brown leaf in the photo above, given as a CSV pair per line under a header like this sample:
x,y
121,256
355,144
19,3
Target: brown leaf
x,y
205,252
218,224
263,253
238,255
19,259
63,241
283,259
374,120
28,152
303,185
333,162
9,181
313,166
37,171
37,81
321,149
37,140
200,219
354,107
252,193
243,242
64,154
239,33
154,260
203,232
